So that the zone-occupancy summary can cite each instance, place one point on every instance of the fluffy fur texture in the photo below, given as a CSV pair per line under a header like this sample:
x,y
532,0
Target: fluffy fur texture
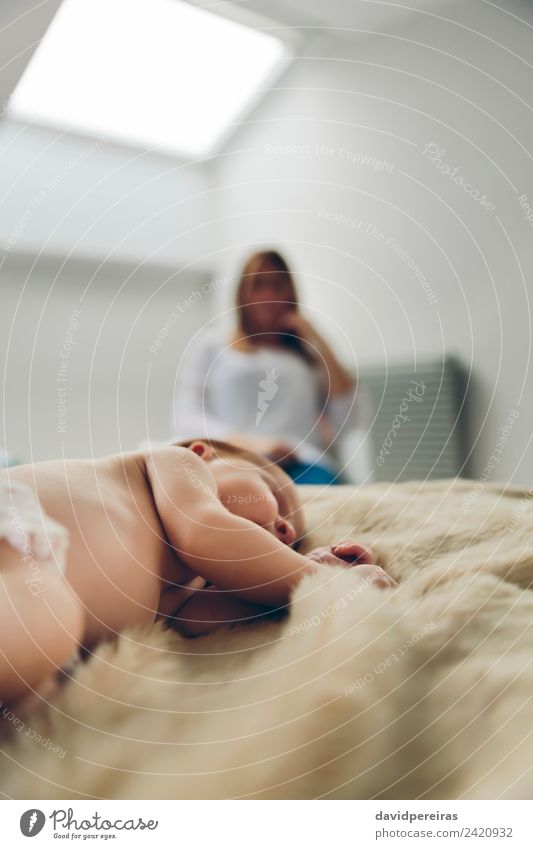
x,y
421,692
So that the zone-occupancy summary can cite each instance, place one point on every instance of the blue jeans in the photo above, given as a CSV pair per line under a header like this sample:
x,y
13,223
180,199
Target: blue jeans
x,y
302,473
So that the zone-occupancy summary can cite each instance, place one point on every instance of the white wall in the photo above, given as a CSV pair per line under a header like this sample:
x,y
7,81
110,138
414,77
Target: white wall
x,y
61,194
458,85
382,84
121,235
139,224
90,355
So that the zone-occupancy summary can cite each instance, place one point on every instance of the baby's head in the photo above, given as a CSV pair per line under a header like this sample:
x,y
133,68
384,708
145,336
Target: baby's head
x,y
252,486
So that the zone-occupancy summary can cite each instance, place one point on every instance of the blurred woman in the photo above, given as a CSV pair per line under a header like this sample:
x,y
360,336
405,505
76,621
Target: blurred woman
x,y
274,386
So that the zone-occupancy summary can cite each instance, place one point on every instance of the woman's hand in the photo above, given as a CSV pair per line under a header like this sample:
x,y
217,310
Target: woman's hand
x,y
275,449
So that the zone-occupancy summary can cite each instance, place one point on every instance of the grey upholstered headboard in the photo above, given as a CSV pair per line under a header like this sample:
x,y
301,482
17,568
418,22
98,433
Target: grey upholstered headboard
x,y
419,427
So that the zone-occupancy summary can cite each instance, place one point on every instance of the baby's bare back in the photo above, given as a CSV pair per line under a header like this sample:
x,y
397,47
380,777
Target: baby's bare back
x,y
118,552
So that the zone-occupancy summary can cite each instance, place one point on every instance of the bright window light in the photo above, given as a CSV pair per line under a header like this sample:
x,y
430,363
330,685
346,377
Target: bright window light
x,y
161,74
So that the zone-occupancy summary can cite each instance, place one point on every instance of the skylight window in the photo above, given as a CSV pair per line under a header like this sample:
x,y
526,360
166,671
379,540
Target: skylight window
x,y
160,74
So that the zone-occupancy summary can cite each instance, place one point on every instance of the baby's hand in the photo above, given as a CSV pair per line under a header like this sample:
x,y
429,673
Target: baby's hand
x,y
354,554
175,596
375,575
342,553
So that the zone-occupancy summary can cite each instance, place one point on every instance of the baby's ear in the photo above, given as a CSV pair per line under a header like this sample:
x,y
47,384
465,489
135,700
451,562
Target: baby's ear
x,y
202,449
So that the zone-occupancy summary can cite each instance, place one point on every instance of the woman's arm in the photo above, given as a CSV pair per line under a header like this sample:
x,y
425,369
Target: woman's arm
x,y
338,380
278,450
346,405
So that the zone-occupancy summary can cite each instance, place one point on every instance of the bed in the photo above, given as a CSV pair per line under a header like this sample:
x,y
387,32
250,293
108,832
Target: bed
x,y
421,692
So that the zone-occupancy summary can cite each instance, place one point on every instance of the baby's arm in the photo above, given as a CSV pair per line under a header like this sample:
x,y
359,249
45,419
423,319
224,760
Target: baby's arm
x,y
210,608
38,630
229,551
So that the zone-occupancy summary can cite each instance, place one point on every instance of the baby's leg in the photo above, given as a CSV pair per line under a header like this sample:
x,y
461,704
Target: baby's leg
x,y
41,624
211,608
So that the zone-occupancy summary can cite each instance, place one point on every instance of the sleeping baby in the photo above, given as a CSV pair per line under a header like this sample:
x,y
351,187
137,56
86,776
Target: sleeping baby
x,y
200,534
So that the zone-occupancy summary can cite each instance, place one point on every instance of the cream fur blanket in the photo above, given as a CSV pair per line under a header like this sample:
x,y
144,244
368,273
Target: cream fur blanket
x,y
424,691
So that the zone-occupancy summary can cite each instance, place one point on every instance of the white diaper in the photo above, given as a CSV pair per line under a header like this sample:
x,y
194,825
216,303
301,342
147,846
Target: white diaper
x,y
25,525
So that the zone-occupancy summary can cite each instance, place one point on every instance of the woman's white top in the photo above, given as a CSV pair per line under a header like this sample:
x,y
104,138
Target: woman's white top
x,y
265,392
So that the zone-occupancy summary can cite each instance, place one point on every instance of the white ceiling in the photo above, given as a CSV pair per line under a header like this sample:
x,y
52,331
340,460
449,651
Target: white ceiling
x,y
22,24
373,15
